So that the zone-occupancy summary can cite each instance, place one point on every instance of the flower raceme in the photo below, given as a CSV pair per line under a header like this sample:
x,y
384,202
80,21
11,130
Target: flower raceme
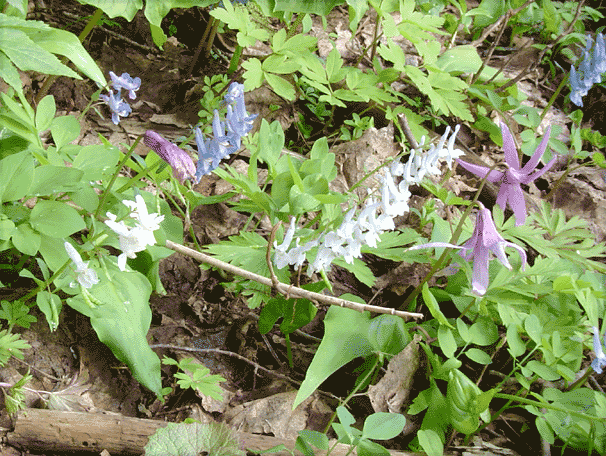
x,y
590,70
510,192
87,277
127,83
117,106
375,218
227,138
137,238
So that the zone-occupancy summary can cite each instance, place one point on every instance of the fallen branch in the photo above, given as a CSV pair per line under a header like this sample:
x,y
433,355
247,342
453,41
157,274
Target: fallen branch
x,y
53,431
287,290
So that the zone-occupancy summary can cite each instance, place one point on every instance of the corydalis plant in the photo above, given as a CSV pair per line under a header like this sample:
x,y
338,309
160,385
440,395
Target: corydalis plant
x,y
375,218
510,192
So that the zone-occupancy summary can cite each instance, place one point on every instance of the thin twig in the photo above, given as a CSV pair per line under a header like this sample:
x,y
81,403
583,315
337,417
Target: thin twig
x,y
284,288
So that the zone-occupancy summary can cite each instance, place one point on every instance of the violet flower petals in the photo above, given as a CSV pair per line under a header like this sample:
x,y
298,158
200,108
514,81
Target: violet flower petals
x,y
179,160
510,192
117,106
127,83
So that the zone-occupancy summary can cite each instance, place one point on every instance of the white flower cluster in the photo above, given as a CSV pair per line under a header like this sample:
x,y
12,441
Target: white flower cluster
x,y
376,217
135,239
87,277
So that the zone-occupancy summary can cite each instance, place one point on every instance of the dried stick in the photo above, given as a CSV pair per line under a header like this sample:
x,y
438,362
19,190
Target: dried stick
x,y
284,288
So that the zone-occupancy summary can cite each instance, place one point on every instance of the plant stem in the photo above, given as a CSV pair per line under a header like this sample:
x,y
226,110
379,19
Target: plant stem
x,y
553,97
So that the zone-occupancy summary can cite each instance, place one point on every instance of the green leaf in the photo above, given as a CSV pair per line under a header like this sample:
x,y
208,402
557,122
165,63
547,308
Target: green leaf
x,y
463,59
534,328
50,179
16,313
97,161
319,7
193,439
315,438
281,86
65,43
9,73
545,372
253,76
517,347
11,345
345,338
433,306
16,172
115,8
45,112
56,219
26,240
64,130
431,442
478,356
383,426
447,341
121,320
50,305
28,56
156,10
484,332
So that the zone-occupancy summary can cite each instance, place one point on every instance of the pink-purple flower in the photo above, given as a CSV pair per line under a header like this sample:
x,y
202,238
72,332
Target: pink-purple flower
x,y
179,160
484,240
510,192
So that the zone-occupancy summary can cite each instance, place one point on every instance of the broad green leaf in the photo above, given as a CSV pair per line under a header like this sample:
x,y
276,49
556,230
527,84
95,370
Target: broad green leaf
x,y
463,59
545,372
478,356
319,7
45,112
345,338
9,73
50,179
383,426
67,44
484,332
27,55
431,442
156,10
121,318
447,341
193,439
114,8
16,172
534,328
517,347
64,130
97,161
281,86
56,219
7,228
26,240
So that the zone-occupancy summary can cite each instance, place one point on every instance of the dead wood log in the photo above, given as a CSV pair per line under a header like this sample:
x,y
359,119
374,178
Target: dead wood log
x,y
49,430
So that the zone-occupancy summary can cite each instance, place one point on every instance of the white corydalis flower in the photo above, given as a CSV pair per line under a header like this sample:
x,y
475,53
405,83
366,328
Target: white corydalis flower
x,y
135,239
87,277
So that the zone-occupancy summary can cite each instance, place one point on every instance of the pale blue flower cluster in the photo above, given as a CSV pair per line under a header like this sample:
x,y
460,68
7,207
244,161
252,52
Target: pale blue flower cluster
x,y
376,217
238,122
116,103
227,138
600,358
590,70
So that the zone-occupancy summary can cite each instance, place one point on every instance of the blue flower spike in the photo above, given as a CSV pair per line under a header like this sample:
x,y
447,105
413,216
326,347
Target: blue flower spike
x,y
117,106
127,83
590,70
600,358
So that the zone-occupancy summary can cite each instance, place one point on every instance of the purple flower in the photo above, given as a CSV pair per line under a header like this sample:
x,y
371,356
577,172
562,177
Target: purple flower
x,y
486,239
239,122
600,358
127,83
117,106
511,192
180,161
